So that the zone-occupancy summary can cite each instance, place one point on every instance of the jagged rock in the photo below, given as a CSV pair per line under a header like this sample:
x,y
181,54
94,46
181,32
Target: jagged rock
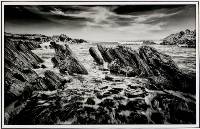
x,y
70,105
41,83
20,79
163,65
96,56
125,61
159,68
185,38
105,53
63,37
177,110
116,67
52,81
18,63
66,61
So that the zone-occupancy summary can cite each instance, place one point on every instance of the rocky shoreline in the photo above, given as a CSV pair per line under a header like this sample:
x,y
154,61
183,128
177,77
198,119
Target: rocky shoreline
x,y
185,38
139,87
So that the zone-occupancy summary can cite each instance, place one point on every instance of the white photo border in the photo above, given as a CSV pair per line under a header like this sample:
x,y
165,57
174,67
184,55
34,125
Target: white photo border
x,y
98,2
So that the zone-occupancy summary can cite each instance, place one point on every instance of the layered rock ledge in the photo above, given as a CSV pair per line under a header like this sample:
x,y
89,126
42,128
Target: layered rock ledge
x,y
147,62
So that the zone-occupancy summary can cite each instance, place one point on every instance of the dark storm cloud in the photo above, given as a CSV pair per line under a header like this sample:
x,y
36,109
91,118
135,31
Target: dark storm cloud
x,y
18,14
113,15
126,9
121,19
41,14
173,15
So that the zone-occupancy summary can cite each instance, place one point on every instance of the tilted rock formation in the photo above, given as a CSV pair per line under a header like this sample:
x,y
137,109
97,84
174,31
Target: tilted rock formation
x,y
96,56
157,92
163,66
18,63
105,54
124,60
185,38
149,63
20,78
66,61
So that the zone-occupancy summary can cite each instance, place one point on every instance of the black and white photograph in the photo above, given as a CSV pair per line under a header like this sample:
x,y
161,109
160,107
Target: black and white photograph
x,y
133,64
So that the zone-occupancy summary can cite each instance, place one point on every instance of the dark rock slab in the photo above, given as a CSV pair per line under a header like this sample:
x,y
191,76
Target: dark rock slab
x,y
158,67
125,61
163,65
96,56
53,81
176,110
66,61
105,53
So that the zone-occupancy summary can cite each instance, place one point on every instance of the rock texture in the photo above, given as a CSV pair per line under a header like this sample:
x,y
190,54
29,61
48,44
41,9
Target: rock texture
x,y
185,38
148,63
96,56
65,38
66,61
148,42
123,60
164,67
19,62
28,37
20,78
105,53
140,86
106,106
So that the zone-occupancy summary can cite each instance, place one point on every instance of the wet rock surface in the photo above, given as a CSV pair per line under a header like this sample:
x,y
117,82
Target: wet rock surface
x,y
66,60
81,106
161,70
142,86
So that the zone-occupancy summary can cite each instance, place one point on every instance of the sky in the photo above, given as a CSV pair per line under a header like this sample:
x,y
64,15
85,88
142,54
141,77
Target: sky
x,y
101,22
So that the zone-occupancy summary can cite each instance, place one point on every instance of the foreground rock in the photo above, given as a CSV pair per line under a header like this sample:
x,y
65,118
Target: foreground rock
x,y
114,106
20,78
149,63
185,38
66,61
51,81
19,62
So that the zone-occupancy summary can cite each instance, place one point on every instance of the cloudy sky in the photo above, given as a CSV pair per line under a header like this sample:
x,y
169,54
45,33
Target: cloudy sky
x,y
100,23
